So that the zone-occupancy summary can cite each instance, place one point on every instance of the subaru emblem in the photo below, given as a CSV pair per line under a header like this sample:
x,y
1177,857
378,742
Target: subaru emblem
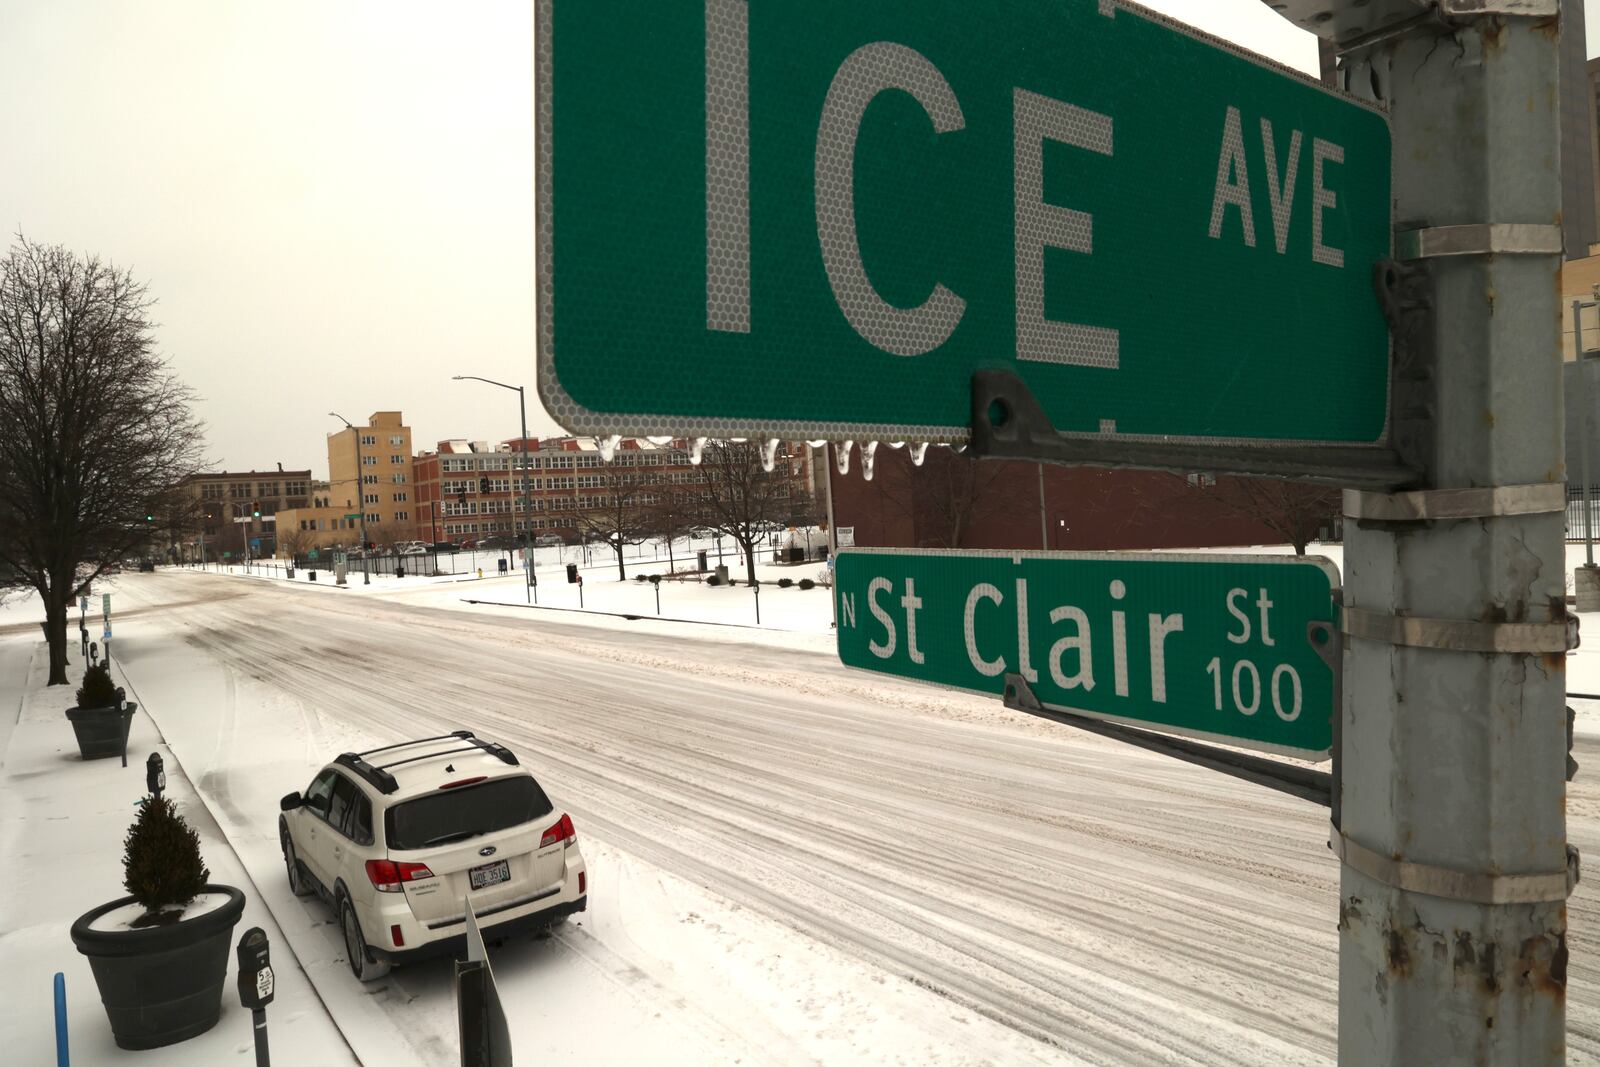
x,y
487,850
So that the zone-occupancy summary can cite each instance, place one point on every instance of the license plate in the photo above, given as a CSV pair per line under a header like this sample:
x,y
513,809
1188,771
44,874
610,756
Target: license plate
x,y
489,874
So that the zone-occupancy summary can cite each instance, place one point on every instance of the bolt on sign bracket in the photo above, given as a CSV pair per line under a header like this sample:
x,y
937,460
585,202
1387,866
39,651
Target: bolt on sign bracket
x,y
1008,423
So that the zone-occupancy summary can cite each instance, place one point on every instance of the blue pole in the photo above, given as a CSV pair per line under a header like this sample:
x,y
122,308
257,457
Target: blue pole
x,y
62,1058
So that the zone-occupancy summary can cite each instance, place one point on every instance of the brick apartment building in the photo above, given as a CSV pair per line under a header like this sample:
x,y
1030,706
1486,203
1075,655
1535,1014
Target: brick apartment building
x,y
225,496
567,478
369,473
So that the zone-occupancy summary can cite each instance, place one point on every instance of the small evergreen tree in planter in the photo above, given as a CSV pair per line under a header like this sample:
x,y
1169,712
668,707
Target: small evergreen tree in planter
x,y
101,719
160,955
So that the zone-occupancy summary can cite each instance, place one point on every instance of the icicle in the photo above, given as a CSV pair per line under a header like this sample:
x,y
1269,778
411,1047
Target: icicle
x,y
869,453
842,456
667,440
897,444
608,447
817,444
961,447
769,455
696,450
919,452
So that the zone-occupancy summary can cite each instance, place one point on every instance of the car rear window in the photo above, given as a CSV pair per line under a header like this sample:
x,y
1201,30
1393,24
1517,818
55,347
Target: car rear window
x,y
457,814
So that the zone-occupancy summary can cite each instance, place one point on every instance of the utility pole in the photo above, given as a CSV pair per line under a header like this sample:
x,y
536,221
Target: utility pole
x,y
530,581
1451,821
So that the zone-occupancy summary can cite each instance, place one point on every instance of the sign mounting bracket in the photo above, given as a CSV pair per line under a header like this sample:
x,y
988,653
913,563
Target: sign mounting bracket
x,y
1302,782
1008,423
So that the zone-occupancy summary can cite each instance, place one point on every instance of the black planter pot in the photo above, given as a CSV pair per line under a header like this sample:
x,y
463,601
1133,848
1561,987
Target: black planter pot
x,y
162,984
101,732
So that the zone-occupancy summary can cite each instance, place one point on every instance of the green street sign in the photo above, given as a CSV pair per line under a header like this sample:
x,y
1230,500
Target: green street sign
x,y
817,220
312,554
1208,646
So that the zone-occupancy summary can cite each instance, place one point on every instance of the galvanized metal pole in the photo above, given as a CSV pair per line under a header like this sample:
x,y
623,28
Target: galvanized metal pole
x,y
1453,842
1583,431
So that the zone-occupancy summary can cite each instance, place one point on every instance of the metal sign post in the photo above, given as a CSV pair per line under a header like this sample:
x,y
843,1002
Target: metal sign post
x,y
1452,833
903,196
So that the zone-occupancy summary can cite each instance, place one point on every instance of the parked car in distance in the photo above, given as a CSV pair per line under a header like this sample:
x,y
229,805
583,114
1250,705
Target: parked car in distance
x,y
547,541
398,838
147,565
411,548
470,542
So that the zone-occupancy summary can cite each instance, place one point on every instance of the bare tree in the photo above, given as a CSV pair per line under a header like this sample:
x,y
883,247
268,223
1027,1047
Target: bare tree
x,y
949,491
621,511
294,543
1296,512
741,498
97,428
676,515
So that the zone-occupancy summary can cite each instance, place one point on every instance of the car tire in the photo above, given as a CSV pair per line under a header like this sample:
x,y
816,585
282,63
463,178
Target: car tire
x,y
362,965
298,884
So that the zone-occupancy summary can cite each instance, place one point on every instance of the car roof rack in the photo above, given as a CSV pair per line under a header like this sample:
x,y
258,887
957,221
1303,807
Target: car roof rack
x,y
380,777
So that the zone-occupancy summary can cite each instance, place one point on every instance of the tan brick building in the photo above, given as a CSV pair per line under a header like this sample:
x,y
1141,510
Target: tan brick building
x,y
369,473
226,496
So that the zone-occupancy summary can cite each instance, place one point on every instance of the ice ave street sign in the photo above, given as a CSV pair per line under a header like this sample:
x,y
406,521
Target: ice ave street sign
x,y
818,219
1202,645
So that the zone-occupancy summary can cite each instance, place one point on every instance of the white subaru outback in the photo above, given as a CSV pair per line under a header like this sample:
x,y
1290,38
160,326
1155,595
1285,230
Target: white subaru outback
x,y
399,838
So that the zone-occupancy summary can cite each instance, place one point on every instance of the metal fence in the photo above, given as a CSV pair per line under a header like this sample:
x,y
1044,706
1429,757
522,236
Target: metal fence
x,y
1576,527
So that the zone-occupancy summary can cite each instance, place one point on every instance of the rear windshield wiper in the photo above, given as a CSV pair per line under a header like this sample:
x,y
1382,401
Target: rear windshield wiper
x,y
445,838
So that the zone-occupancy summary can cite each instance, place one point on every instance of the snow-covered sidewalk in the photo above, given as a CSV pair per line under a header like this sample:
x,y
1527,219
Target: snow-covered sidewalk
x,y
61,832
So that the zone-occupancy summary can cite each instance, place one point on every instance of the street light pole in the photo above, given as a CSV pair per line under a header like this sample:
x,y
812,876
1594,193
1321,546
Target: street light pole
x,y
531,583
361,496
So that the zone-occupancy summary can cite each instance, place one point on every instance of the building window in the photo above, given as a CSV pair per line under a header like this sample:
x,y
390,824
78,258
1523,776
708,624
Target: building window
x,y
399,479
211,491
295,489
589,481
369,439
369,461
588,459
396,460
397,439
239,490
370,498
398,498
374,517
369,479
402,516
559,482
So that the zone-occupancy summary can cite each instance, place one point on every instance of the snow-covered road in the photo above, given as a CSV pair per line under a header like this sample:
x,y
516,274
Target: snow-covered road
x,y
959,884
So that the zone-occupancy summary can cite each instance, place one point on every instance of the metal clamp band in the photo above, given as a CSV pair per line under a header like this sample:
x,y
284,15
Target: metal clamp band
x,y
1425,504
1460,635
1479,239
1475,886
1525,8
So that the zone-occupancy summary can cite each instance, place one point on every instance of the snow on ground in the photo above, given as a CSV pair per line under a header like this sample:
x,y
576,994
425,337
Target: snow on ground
x,y
61,834
791,862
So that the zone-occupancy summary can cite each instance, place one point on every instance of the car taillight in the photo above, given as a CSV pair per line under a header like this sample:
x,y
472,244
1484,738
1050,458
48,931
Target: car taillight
x,y
390,877
561,831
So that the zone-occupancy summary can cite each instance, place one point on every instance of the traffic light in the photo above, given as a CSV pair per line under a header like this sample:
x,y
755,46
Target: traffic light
x,y
149,518
255,511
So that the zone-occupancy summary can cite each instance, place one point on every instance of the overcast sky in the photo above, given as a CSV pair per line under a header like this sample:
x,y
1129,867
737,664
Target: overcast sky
x,y
329,198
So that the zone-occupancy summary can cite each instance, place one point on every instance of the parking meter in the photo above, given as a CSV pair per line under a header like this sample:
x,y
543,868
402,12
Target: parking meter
x,y
255,985
155,776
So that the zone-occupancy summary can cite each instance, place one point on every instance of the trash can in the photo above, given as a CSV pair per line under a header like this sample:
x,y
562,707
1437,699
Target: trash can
x,y
722,574
502,565
702,558
572,574
312,575
290,572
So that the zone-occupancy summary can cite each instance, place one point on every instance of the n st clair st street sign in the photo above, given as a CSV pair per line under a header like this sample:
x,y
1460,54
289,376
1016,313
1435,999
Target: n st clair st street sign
x,y
817,220
1207,646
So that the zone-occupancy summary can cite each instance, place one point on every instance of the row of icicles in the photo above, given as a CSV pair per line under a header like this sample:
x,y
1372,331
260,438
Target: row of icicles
x,y
769,451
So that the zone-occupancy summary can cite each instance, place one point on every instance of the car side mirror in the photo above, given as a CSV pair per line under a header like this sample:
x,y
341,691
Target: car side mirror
x,y
290,802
